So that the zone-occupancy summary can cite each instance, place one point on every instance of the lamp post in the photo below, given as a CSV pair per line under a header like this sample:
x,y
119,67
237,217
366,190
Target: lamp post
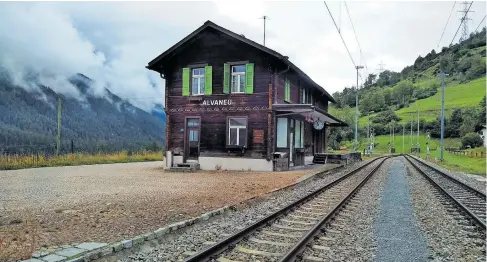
x,y
356,111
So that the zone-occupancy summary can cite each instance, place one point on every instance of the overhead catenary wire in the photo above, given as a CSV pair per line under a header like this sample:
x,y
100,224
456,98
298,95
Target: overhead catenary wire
x,y
480,23
356,38
462,21
447,23
341,37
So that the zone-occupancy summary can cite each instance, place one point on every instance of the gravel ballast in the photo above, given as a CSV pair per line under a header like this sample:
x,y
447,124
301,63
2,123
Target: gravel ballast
x,y
350,237
194,238
475,181
446,230
398,234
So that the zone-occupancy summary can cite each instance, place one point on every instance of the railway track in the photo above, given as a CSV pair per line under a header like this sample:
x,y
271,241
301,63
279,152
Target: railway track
x,y
283,235
469,200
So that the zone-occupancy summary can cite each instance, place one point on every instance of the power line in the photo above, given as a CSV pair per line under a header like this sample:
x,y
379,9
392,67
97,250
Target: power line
x,y
466,13
341,37
356,38
447,22
480,23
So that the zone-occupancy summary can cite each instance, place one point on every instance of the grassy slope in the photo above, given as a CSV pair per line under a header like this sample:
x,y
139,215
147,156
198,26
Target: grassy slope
x,y
456,96
455,162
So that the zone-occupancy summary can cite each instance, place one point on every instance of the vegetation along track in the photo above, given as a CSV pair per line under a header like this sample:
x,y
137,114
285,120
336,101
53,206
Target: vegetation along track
x,y
469,200
282,235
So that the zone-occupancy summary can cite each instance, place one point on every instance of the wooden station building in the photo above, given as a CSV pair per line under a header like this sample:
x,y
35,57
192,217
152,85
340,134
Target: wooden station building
x,y
234,104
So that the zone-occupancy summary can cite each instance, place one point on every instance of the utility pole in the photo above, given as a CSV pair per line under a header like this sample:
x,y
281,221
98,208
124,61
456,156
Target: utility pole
x,y
442,145
464,20
403,127
58,144
411,137
417,136
356,110
265,18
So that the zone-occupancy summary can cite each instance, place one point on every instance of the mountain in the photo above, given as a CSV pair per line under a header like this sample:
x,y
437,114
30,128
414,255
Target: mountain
x,y
395,97
28,120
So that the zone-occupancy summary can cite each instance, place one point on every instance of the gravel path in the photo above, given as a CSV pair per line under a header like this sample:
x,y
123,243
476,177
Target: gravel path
x,y
193,238
350,237
110,202
398,235
448,235
475,181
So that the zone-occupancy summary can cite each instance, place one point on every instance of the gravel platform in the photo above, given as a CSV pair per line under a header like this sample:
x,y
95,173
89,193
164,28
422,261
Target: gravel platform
x,y
447,236
398,235
179,245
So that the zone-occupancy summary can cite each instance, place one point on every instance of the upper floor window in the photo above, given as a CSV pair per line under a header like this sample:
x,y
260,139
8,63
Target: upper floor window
x,y
287,91
305,96
198,81
238,79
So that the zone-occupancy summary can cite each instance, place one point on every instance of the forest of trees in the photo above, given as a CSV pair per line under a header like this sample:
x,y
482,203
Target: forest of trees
x,y
28,122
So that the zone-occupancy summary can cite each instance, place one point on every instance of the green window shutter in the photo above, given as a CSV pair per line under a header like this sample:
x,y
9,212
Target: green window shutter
x,y
249,78
226,78
208,80
186,81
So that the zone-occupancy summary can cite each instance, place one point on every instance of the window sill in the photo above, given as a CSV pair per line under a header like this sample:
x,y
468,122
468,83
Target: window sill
x,y
235,147
195,98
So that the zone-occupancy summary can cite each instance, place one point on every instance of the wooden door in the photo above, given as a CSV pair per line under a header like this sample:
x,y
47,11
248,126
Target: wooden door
x,y
192,139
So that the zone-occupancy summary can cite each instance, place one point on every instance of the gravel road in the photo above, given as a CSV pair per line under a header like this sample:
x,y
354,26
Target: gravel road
x,y
105,203
445,231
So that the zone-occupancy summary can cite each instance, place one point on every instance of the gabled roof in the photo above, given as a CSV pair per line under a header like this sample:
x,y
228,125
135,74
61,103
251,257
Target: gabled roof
x,y
208,24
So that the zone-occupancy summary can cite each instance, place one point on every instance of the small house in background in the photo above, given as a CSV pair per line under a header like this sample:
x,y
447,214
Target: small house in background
x,y
234,104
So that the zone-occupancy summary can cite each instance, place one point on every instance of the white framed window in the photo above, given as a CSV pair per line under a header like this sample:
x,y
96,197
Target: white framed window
x,y
299,134
303,96
198,81
238,79
282,132
237,131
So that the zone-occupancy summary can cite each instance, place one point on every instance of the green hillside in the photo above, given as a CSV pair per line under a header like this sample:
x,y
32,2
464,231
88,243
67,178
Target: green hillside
x,y
456,96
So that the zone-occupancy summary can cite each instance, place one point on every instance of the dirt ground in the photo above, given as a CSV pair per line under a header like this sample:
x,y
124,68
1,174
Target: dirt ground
x,y
104,203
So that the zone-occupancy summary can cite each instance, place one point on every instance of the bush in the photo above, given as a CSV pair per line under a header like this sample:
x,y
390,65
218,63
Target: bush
x,y
472,140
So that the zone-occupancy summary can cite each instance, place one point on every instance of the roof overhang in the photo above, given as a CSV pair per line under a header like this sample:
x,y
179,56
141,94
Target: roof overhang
x,y
153,65
307,110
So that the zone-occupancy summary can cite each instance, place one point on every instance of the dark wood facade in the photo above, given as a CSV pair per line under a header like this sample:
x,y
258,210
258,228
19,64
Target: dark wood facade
x,y
214,46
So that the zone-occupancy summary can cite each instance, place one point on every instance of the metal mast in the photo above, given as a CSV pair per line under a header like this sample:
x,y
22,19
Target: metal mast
x,y
464,20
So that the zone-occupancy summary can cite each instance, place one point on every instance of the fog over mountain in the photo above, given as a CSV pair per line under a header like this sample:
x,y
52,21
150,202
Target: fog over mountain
x,y
49,43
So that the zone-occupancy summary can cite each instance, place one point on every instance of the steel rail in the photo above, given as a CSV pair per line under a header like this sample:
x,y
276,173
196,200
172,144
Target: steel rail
x,y
231,241
475,218
480,193
296,251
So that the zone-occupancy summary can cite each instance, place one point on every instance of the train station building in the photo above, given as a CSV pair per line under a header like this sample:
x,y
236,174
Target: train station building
x,y
233,104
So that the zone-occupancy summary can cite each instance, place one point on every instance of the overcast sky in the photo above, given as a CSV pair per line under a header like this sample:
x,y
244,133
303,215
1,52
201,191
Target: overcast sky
x,y
113,42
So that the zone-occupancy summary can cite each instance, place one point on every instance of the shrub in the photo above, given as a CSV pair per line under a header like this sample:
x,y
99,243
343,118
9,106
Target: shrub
x,y
472,140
